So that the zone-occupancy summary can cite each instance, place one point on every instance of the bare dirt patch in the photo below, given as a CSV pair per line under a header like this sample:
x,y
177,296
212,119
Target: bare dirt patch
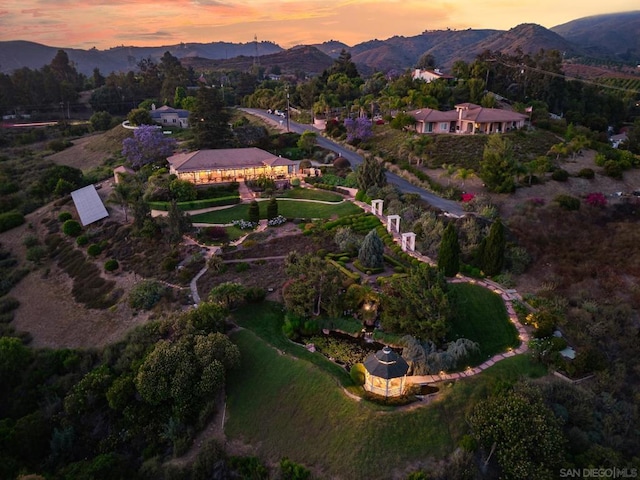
x,y
93,150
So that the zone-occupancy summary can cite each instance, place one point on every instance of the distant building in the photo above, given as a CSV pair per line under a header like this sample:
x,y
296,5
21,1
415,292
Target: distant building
x,y
429,75
467,118
170,117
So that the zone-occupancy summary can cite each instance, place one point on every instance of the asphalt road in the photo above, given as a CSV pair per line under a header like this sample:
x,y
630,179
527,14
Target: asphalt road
x,y
448,206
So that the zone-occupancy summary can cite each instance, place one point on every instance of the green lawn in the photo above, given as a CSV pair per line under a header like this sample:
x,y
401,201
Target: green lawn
x,y
287,208
481,316
311,194
287,405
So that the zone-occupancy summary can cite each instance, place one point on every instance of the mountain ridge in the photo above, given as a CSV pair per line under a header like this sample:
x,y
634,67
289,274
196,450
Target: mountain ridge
x,y
607,37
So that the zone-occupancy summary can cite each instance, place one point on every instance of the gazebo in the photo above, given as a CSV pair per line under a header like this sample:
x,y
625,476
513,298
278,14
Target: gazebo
x,y
385,373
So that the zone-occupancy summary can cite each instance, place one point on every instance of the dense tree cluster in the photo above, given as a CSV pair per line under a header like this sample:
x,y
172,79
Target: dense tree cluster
x,y
112,408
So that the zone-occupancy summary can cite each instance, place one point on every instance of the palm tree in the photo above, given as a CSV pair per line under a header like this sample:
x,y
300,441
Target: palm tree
x,y
559,150
449,170
463,174
121,195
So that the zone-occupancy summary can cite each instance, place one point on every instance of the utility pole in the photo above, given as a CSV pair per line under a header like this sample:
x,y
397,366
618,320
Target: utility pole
x,y
287,90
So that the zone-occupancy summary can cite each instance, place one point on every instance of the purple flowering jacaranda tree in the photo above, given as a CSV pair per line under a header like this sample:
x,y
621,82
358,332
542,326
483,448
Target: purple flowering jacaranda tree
x,y
148,145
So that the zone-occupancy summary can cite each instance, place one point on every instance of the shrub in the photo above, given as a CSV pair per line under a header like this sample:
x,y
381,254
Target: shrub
x,y
295,182
82,240
36,253
10,220
272,208
30,241
111,265
94,250
58,145
255,294
357,373
71,228
146,294
64,216
560,175
587,173
568,202
254,212
278,220
242,267
613,169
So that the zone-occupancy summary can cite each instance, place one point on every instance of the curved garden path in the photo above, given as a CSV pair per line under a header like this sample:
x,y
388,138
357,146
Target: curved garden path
x,y
508,297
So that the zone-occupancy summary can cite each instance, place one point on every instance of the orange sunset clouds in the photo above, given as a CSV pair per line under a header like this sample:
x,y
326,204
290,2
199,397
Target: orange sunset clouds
x,y
108,23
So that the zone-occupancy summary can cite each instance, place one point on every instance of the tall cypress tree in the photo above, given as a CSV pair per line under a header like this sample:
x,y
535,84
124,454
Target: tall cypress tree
x,y
209,120
254,212
272,208
493,254
370,173
449,253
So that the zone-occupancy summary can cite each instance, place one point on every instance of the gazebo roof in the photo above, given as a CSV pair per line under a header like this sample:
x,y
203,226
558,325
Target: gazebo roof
x,y
386,364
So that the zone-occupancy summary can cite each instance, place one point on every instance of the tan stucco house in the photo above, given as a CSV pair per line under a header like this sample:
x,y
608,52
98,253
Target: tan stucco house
x,y
467,118
230,165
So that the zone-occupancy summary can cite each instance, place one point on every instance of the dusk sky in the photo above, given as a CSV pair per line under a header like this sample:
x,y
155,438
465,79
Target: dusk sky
x,y
108,23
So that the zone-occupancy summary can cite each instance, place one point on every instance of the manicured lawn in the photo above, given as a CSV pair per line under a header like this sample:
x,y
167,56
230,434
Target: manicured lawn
x,y
285,405
311,194
287,208
482,317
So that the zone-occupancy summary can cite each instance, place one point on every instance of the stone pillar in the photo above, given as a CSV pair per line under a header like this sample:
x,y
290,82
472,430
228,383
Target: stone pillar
x,y
376,207
408,242
395,219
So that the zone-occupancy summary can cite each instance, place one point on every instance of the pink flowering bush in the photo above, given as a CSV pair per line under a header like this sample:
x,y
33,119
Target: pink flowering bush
x,y
467,197
596,199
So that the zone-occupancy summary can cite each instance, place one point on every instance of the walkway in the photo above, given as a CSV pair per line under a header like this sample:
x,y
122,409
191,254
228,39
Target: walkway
x,y
508,297
213,250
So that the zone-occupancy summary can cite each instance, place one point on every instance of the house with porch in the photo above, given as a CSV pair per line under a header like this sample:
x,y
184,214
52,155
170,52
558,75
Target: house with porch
x,y
170,117
230,165
467,119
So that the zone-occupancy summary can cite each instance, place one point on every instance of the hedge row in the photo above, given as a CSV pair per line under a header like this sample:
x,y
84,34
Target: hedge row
x,y
359,222
197,204
352,275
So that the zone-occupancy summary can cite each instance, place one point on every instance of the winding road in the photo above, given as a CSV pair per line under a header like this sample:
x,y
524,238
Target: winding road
x,y
448,206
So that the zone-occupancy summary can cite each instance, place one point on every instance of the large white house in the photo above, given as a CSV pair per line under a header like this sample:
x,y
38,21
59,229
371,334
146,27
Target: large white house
x,y
429,75
170,117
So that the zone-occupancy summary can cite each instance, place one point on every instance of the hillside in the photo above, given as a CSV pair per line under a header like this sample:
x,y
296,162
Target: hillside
x,y
529,38
305,58
18,54
614,34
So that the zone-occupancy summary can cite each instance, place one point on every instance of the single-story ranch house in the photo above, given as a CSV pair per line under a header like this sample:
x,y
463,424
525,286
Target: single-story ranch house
x,y
170,117
230,165
467,118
